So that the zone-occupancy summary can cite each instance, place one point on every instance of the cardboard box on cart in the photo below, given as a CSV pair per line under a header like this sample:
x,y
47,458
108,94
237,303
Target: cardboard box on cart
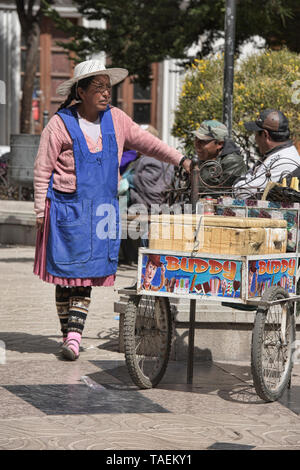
x,y
218,234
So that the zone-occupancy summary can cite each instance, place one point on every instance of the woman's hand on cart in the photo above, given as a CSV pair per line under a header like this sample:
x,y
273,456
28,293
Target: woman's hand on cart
x,y
186,164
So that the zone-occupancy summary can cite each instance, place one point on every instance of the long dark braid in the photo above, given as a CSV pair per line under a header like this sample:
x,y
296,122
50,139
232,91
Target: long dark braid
x,y
72,96
84,84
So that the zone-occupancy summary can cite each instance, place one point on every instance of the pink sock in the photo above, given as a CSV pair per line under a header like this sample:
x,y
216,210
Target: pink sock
x,y
74,345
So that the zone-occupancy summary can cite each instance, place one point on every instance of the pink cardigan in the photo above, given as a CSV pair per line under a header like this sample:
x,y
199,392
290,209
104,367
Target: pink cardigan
x,y
55,153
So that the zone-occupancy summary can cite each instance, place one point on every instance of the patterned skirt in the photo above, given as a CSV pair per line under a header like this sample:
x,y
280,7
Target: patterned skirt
x,y
40,262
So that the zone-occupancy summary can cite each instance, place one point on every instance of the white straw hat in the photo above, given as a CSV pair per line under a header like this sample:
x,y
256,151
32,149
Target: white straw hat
x,y
88,69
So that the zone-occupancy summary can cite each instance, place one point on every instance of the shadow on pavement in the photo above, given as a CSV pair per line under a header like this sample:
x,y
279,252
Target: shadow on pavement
x,y
208,378
291,399
241,394
231,382
78,399
26,343
229,446
112,337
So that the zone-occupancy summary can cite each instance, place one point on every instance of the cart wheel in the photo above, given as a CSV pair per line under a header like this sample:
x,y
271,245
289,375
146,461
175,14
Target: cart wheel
x,y
147,339
272,346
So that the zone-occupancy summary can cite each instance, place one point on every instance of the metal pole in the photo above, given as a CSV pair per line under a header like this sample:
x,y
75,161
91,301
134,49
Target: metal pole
x,y
194,199
195,175
45,118
230,20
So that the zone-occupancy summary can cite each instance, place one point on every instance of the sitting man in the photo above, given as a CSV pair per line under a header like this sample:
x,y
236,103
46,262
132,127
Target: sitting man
x,y
279,156
221,160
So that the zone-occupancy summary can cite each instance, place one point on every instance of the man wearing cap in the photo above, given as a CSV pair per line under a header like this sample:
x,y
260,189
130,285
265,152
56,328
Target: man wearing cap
x,y
221,159
279,157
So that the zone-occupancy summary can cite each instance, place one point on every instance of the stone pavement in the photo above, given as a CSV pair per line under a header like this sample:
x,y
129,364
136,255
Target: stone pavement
x,y
50,404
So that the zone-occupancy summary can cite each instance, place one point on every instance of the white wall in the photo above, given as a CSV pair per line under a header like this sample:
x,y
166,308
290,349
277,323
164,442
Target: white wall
x,y
10,66
169,87
100,24
10,72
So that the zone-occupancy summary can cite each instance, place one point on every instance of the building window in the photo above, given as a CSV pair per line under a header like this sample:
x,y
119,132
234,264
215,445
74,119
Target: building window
x,y
139,103
53,68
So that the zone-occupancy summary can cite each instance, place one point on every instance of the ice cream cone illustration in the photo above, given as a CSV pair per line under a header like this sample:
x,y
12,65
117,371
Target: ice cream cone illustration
x,y
236,286
223,286
214,283
172,284
283,282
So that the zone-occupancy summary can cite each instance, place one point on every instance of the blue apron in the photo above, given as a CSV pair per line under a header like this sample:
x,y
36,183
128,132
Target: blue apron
x,y
84,239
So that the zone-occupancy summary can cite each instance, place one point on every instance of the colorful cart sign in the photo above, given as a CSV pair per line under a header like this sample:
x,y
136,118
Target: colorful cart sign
x,y
263,274
188,275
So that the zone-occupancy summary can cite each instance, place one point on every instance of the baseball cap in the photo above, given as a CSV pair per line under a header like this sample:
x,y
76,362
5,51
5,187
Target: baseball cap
x,y
269,119
211,130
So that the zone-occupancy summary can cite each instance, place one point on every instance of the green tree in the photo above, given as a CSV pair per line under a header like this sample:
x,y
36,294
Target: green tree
x,y
277,22
141,32
270,79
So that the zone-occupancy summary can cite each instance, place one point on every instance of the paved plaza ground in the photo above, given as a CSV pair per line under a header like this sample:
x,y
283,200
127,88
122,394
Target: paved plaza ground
x,y
50,404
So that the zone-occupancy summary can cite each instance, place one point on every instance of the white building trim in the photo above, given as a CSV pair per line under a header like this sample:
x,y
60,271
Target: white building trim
x,y
10,73
100,24
170,83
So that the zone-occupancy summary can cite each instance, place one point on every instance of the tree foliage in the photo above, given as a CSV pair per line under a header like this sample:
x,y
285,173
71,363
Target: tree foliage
x,y
140,32
265,80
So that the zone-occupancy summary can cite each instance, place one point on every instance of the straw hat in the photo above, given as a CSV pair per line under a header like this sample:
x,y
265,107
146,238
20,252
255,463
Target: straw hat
x,y
88,69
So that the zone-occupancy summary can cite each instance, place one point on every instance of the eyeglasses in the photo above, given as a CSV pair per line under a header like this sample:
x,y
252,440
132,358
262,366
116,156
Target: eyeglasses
x,y
200,143
102,88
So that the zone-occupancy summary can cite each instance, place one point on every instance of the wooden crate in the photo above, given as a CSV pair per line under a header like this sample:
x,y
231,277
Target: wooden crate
x,y
218,234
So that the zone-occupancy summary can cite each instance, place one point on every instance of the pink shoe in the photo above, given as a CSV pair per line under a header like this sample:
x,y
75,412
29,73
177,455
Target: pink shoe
x,y
70,348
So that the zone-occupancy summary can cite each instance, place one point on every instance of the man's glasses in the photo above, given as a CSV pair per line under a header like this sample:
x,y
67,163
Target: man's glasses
x,y
201,143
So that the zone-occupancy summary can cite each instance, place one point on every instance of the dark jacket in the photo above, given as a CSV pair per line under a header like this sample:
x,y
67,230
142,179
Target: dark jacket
x,y
220,174
151,178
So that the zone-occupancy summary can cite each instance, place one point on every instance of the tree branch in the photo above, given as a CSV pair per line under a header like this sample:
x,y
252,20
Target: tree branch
x,y
44,6
30,7
22,14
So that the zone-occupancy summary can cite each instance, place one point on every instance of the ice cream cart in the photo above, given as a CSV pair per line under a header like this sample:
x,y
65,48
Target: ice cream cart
x,y
265,283
262,279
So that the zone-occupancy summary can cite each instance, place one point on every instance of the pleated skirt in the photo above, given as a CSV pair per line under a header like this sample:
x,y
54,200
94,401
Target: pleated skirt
x,y
40,262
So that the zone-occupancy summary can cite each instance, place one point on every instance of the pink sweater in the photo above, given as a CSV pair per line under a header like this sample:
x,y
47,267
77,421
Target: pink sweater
x,y
56,153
